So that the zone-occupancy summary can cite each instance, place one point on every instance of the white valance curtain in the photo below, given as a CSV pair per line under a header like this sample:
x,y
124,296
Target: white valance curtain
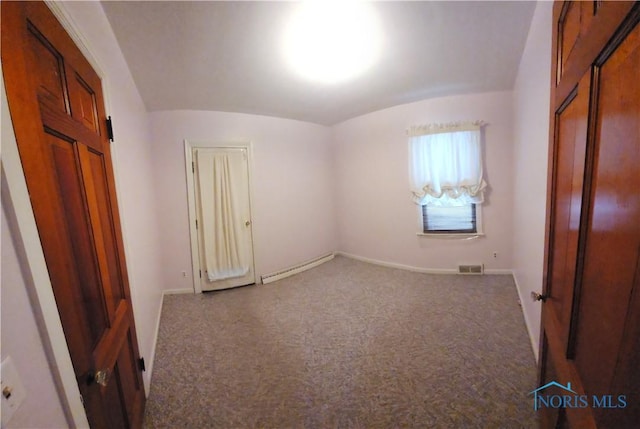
x,y
445,164
220,219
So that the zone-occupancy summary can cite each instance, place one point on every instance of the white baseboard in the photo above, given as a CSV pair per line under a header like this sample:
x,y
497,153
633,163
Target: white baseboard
x,y
152,357
527,322
177,291
396,265
497,271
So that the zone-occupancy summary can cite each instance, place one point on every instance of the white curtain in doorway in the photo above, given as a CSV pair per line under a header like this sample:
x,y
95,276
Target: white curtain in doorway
x,y
220,219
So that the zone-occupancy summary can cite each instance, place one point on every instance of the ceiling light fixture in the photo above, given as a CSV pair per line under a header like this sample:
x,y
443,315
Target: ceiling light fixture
x,y
332,41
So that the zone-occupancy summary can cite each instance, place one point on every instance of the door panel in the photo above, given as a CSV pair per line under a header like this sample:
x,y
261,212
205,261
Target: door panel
x,y
84,100
614,227
100,184
57,110
574,23
69,194
591,319
571,123
48,70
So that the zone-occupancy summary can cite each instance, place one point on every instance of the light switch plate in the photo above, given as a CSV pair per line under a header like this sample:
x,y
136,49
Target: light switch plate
x,y
12,392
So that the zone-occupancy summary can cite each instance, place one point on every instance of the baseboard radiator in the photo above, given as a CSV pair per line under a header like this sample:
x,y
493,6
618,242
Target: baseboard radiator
x,y
477,269
278,275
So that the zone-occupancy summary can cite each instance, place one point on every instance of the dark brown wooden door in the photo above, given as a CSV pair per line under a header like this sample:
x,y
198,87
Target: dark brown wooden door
x,y
57,110
590,334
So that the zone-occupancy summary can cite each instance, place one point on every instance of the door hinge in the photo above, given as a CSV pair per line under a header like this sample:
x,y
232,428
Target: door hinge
x,y
193,167
141,364
200,273
196,223
109,128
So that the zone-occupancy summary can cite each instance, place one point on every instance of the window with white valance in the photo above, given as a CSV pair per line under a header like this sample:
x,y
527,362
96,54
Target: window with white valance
x,y
445,164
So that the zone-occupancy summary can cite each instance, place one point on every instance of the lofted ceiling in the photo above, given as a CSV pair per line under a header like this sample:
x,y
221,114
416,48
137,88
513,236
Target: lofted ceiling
x,y
226,56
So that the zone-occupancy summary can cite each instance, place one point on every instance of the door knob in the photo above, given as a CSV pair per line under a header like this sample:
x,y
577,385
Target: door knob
x,y
101,377
247,223
535,296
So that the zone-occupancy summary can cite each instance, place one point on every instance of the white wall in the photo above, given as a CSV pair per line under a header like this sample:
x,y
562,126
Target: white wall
x,y
292,182
376,217
21,340
531,106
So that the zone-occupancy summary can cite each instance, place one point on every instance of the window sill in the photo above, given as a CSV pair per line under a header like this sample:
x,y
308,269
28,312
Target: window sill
x,y
452,236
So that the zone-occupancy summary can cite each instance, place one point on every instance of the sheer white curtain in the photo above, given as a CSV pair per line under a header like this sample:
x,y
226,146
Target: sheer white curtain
x,y
220,218
445,164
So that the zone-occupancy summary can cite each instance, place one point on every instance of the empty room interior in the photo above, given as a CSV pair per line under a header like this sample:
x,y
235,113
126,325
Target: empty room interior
x,y
320,214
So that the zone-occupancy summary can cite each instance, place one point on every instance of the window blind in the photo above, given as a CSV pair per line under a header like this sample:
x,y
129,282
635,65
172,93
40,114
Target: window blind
x,y
454,219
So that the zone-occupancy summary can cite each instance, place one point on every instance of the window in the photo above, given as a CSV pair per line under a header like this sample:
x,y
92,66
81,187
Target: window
x,y
449,220
445,163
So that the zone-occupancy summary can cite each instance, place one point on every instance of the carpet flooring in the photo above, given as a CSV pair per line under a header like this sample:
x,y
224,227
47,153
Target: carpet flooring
x,y
346,345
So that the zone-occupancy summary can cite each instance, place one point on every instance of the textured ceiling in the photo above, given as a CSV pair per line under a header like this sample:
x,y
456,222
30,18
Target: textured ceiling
x,y
226,56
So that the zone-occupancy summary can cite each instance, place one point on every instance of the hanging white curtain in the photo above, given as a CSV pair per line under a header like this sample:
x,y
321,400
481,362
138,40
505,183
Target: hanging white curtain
x,y
445,164
221,222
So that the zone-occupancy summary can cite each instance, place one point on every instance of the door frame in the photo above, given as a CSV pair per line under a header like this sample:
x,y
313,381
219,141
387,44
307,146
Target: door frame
x,y
189,146
24,233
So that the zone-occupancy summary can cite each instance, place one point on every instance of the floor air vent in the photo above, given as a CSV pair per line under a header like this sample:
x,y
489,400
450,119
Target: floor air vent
x,y
471,269
268,278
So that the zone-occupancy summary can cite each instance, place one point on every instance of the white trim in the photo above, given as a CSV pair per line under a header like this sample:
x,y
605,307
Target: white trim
x,y
498,271
400,266
154,343
181,291
79,40
462,236
27,240
189,146
156,333
193,232
494,271
527,322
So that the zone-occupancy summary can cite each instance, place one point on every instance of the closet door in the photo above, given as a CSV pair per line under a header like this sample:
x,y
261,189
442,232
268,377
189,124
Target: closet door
x,y
590,334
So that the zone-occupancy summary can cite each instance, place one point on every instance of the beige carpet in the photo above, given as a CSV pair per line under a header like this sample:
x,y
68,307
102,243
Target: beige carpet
x,y
346,345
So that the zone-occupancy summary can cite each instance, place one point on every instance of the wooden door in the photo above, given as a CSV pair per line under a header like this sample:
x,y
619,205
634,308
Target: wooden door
x,y
57,109
213,220
590,333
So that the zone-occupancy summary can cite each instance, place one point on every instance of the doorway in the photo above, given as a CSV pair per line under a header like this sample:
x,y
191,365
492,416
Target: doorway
x,y
218,180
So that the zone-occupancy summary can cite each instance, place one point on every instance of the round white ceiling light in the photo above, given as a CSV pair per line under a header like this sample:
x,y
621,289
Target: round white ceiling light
x,y
332,41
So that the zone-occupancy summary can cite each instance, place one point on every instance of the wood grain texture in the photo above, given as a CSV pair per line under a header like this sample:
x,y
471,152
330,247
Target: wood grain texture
x,y
593,206
57,109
